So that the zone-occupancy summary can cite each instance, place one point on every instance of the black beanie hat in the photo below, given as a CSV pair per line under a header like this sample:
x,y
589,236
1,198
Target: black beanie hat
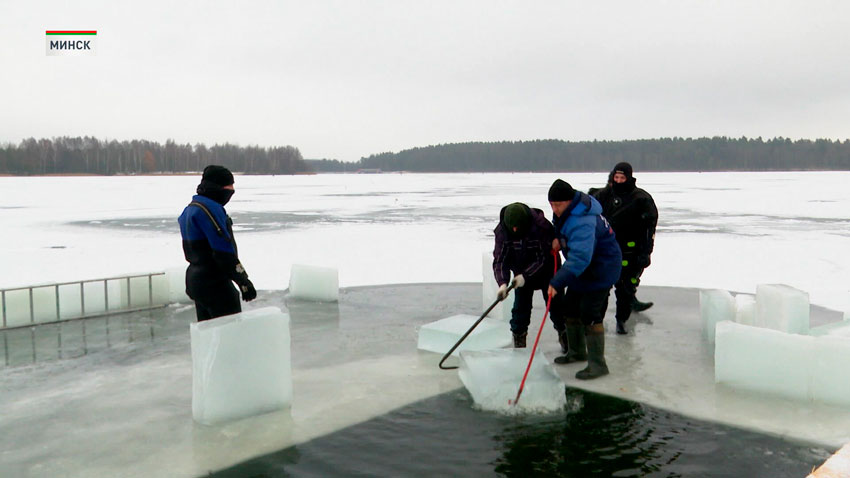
x,y
517,215
218,175
624,168
561,191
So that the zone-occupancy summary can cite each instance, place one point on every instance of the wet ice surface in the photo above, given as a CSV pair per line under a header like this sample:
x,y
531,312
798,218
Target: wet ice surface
x,y
125,409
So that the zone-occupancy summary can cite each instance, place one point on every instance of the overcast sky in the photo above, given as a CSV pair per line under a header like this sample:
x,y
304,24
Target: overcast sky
x,y
347,79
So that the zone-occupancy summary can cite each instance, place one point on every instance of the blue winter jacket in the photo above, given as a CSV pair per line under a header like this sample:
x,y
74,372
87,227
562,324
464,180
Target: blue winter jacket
x,y
592,258
209,247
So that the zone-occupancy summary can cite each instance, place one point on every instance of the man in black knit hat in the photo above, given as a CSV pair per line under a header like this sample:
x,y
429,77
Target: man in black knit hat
x,y
210,249
633,215
591,266
524,246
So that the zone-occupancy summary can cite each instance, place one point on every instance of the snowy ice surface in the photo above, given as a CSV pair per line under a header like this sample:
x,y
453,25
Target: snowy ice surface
x,y
716,230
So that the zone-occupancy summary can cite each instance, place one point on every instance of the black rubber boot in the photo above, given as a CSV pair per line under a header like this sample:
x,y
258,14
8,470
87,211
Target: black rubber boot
x,y
639,306
519,340
564,341
621,328
577,349
596,366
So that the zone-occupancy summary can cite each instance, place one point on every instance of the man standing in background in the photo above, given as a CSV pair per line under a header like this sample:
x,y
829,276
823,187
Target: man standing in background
x,y
210,249
633,215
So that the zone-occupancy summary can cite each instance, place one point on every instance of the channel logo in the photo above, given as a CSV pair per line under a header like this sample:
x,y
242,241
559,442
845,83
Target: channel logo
x,y
70,42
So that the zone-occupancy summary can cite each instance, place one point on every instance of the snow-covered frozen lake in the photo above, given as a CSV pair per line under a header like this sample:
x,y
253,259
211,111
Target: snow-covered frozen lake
x,y
718,230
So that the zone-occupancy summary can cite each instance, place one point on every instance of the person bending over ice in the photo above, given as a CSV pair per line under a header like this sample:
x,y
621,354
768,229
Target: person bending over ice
x,y
524,246
591,266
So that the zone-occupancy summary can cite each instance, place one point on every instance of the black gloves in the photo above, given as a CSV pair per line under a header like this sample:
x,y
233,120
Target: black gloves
x,y
249,293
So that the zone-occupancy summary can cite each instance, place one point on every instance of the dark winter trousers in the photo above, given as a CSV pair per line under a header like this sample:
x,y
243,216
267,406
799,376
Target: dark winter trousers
x,y
625,290
217,301
589,307
521,312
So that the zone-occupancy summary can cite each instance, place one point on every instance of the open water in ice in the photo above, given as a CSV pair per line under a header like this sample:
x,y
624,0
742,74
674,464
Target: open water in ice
x,y
597,436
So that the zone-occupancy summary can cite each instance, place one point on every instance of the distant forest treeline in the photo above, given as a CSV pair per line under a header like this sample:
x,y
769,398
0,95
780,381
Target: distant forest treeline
x,y
665,154
87,155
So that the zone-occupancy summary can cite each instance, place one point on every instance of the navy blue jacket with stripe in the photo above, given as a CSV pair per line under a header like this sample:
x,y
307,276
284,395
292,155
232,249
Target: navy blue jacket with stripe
x,y
209,246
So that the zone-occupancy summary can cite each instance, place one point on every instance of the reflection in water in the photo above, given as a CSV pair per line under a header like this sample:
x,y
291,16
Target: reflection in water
x,y
312,322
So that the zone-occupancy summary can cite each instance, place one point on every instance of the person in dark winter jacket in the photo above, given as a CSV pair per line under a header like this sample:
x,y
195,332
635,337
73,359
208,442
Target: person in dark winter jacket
x,y
591,266
633,215
210,249
524,246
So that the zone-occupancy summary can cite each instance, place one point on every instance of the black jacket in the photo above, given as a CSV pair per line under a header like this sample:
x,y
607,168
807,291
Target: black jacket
x,y
633,216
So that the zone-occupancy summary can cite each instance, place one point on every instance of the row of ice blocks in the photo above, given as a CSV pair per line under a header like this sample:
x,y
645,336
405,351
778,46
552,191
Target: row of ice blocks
x,y
241,365
493,378
802,367
50,303
314,283
775,306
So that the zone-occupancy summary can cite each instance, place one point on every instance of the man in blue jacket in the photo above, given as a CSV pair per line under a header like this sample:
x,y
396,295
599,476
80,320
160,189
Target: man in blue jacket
x,y
210,249
592,262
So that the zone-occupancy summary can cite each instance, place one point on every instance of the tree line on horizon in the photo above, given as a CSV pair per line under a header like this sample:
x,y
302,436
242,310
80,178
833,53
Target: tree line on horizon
x,y
88,155
718,153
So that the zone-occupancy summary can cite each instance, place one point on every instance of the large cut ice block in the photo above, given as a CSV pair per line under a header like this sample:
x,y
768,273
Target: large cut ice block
x,y
830,373
745,309
715,305
493,378
489,290
782,307
241,365
763,360
320,284
176,278
441,335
